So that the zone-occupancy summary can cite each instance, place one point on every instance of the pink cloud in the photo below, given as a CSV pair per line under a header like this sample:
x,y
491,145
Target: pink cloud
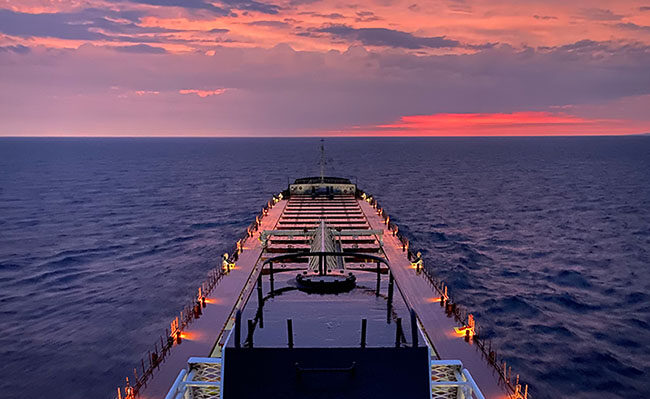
x,y
203,93
146,92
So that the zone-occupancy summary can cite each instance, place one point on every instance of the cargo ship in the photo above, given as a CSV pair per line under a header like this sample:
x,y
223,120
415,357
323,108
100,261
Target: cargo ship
x,y
322,297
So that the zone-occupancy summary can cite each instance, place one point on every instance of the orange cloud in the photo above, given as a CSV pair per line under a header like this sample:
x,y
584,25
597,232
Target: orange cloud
x,y
531,123
203,93
519,24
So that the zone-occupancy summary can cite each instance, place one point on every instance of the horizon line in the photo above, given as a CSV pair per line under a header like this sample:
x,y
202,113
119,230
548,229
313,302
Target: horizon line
x,y
316,136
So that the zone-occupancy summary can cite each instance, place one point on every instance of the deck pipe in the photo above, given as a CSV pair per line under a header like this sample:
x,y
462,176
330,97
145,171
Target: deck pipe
x,y
260,292
364,327
398,332
414,329
271,277
378,279
238,329
251,331
290,332
389,303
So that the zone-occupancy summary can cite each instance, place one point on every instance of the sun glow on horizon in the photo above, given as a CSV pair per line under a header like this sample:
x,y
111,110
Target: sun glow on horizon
x,y
531,123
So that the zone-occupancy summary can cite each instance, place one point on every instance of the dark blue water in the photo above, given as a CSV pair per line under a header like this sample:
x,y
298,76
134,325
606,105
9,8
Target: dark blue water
x,y
547,240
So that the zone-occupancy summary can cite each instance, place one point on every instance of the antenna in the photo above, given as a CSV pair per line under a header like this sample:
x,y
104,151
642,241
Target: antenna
x,y
322,161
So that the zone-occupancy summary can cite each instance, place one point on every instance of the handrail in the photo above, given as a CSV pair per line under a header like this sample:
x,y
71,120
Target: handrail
x,y
297,255
177,383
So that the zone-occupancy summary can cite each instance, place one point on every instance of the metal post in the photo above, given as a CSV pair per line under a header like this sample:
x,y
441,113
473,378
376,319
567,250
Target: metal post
x,y
260,300
378,279
389,304
238,329
251,331
290,332
364,324
261,317
414,329
398,332
271,277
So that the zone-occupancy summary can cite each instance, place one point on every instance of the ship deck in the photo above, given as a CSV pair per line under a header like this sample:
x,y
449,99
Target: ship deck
x,y
361,231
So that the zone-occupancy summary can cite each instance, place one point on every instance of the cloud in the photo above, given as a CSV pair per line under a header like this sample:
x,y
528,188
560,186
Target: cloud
x,y
88,24
483,46
303,2
333,15
203,93
387,37
333,82
281,91
61,26
599,14
633,27
209,6
18,49
187,4
147,92
459,6
140,49
270,24
581,46
366,16
251,5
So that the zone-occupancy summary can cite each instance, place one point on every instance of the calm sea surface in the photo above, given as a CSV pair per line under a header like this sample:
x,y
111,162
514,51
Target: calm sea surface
x,y
546,240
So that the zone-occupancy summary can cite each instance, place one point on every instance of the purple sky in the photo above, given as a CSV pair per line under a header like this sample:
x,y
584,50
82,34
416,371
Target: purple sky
x,y
323,67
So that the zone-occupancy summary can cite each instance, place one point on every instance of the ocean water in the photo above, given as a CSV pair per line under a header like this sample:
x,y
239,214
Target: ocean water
x,y
546,240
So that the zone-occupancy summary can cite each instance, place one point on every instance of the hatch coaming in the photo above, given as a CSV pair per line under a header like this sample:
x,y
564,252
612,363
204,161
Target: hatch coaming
x,y
322,185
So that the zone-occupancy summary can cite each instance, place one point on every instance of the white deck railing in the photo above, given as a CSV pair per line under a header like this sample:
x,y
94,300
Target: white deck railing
x,y
201,379
450,380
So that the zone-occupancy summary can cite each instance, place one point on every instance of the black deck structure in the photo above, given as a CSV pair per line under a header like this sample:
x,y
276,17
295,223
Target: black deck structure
x,y
326,373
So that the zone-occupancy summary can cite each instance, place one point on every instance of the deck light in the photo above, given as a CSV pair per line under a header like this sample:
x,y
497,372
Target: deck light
x,y
226,264
467,331
417,262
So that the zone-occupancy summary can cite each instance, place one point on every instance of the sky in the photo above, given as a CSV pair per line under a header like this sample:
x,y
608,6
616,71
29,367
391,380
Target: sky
x,y
324,67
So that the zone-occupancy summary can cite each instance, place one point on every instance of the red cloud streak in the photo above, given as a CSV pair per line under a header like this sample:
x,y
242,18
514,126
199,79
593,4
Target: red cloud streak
x,y
530,123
